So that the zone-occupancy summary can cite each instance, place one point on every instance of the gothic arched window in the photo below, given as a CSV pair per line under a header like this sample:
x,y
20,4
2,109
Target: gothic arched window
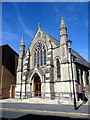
x,y
38,58
40,55
34,58
58,68
41,58
44,57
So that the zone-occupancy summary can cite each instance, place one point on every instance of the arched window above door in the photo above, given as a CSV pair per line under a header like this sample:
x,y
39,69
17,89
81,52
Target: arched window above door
x,y
40,55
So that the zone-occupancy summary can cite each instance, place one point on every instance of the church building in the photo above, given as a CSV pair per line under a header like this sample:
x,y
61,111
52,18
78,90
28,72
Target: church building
x,y
50,68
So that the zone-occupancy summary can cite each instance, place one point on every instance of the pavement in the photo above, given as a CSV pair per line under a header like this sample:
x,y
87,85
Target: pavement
x,y
16,107
35,100
40,101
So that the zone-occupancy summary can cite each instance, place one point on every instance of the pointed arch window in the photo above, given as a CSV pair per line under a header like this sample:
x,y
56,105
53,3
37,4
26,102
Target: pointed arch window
x,y
41,58
39,34
38,58
34,58
44,57
40,55
58,68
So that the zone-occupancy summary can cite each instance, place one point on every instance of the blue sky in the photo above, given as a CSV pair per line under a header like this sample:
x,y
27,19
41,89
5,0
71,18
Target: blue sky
x,y
23,18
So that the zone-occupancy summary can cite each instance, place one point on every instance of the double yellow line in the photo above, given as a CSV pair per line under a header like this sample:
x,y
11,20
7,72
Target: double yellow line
x,y
72,114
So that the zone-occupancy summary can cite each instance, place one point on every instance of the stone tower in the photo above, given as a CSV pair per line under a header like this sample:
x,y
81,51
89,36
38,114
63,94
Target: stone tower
x,y
63,41
63,48
65,70
20,68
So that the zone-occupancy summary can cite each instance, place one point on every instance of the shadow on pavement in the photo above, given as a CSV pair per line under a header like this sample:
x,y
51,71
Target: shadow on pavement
x,y
83,98
43,117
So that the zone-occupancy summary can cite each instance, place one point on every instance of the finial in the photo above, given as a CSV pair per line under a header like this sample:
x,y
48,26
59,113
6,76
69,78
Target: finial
x,y
39,24
22,36
61,16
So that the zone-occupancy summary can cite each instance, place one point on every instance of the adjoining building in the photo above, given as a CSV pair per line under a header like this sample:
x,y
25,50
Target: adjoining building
x,y
8,68
45,70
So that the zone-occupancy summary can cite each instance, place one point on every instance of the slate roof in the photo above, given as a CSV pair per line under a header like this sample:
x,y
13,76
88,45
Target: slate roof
x,y
79,59
57,41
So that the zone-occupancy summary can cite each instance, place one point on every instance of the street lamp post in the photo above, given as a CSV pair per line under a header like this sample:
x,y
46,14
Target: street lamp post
x,y
70,50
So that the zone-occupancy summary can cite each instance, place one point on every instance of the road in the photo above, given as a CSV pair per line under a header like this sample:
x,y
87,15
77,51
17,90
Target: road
x,y
17,110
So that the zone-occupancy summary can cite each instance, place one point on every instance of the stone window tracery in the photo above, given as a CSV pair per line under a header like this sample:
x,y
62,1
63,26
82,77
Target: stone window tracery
x,y
40,55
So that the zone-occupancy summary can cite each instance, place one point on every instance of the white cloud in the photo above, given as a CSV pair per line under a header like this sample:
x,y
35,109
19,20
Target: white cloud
x,y
11,39
9,34
26,30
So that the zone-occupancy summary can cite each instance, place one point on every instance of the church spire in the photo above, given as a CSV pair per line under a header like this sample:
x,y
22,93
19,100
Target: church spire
x,y
22,47
62,23
22,41
63,32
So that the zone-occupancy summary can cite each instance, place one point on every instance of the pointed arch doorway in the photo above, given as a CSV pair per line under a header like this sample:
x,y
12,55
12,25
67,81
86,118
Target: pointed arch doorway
x,y
37,86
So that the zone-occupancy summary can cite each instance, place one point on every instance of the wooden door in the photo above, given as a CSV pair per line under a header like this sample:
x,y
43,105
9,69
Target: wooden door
x,y
37,89
13,91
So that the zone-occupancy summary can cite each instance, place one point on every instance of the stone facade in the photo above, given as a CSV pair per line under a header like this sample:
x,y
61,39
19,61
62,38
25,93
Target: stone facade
x,y
45,69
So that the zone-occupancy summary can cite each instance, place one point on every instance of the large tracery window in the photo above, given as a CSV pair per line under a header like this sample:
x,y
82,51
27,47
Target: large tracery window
x,y
58,68
40,55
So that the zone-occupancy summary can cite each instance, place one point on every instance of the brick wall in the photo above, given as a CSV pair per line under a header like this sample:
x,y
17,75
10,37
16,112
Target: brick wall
x,y
8,79
8,69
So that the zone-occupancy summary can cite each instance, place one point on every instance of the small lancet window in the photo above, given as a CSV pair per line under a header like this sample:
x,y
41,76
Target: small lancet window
x,y
39,34
34,58
41,58
44,57
38,58
58,68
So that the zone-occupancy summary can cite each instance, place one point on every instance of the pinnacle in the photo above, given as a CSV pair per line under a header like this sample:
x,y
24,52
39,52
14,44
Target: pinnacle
x,y
22,42
62,22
